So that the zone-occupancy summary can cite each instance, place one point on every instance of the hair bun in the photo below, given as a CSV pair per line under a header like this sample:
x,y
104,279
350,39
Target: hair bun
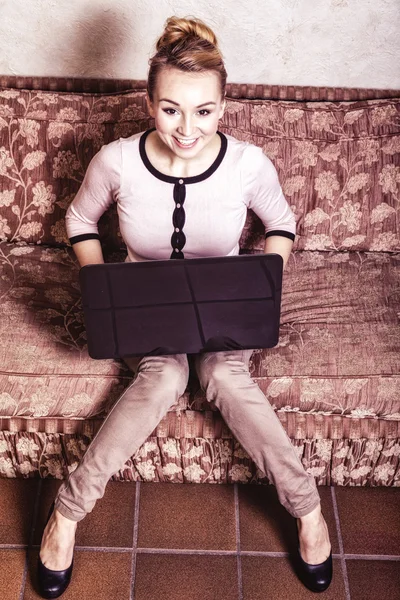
x,y
190,46
177,29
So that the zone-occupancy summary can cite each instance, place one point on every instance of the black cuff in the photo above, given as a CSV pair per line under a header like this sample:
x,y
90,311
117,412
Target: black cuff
x,y
286,234
85,236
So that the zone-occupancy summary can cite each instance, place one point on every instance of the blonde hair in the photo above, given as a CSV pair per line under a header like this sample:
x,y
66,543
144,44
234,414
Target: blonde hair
x,y
189,45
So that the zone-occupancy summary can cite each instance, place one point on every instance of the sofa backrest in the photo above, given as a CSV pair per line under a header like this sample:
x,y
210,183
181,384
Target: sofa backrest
x,y
338,163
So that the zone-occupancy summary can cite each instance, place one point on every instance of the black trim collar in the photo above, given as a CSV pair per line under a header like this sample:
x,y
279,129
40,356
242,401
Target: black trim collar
x,y
168,178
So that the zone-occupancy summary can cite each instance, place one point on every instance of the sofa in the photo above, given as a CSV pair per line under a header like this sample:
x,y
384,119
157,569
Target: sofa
x,y
333,378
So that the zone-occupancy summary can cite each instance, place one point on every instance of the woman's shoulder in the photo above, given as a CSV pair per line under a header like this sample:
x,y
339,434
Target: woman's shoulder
x,y
112,152
115,146
250,156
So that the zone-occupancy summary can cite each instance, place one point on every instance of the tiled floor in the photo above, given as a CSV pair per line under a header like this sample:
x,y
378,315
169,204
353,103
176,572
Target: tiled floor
x,y
153,541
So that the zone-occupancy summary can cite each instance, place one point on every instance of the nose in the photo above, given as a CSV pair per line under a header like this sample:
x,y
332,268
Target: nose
x,y
186,126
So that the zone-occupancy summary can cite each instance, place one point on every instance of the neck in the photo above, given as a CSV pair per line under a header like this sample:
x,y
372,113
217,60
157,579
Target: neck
x,y
166,161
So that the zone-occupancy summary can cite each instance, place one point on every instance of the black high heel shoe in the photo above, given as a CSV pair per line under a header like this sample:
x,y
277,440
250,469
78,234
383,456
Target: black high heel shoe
x,y
316,578
52,583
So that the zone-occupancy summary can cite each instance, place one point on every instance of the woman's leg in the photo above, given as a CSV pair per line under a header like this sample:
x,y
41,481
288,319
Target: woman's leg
x,y
225,378
158,383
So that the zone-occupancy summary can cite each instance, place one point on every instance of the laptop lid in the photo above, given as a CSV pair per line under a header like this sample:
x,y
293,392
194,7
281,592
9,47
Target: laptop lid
x,y
182,306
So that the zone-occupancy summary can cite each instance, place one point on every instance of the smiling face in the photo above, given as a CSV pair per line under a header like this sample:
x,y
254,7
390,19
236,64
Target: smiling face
x,y
186,108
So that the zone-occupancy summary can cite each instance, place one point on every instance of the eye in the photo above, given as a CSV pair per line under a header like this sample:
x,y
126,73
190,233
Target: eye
x,y
204,112
169,111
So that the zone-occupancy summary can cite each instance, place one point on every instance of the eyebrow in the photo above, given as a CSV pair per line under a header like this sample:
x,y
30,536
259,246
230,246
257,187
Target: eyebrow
x,y
176,103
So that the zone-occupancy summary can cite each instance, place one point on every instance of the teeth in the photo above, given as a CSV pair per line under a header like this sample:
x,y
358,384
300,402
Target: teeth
x,y
185,142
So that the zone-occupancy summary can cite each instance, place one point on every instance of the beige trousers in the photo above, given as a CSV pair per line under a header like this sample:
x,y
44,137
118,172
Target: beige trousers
x,y
157,385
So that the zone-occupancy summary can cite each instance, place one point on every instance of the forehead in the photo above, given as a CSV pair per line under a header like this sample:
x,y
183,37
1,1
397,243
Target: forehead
x,y
181,86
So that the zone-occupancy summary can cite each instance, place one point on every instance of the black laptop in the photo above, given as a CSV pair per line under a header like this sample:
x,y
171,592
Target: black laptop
x,y
182,306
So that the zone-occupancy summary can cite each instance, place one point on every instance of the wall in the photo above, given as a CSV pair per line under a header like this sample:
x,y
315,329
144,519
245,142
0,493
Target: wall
x,y
350,43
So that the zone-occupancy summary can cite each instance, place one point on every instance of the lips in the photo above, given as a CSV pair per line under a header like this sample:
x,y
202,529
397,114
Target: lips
x,y
184,143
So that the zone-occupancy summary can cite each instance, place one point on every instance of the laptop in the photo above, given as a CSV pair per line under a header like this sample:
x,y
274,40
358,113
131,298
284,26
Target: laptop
x,y
182,306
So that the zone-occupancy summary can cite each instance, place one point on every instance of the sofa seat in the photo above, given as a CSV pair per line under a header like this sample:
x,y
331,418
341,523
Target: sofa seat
x,y
333,377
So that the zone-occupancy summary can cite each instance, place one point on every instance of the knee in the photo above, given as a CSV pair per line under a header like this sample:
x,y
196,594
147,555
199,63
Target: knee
x,y
170,371
221,369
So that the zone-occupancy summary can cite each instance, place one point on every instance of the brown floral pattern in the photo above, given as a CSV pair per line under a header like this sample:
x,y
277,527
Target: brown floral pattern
x,y
46,143
339,168
314,370
338,163
333,378
204,460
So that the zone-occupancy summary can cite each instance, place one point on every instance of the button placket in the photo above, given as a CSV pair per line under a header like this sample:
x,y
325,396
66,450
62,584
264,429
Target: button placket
x,y
178,238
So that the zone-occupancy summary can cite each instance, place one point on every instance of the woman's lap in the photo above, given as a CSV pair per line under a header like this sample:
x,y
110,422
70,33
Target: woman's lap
x,y
198,362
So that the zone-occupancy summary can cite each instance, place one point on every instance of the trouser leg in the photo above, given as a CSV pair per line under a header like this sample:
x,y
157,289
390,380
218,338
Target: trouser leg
x,y
225,378
158,383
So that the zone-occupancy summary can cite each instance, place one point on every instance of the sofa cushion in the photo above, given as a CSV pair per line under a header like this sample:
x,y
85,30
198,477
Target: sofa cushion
x,y
338,354
338,163
47,140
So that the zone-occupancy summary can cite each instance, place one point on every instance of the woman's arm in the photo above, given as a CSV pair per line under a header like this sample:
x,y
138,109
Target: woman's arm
x,y
265,197
279,245
97,192
88,252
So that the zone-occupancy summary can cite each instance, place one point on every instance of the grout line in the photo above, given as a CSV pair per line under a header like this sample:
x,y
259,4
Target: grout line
x,y
134,539
393,557
186,551
340,540
116,549
101,549
214,552
194,551
238,549
161,550
24,576
267,554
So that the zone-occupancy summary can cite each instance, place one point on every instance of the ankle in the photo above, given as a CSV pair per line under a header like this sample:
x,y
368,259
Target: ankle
x,y
315,516
64,522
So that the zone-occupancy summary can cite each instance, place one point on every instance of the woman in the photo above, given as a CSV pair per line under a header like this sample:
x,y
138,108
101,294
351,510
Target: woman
x,y
182,191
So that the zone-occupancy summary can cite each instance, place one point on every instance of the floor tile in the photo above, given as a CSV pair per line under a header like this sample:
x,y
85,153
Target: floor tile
x,y
185,577
111,521
374,579
274,578
17,503
266,526
187,516
12,563
96,576
370,519
109,524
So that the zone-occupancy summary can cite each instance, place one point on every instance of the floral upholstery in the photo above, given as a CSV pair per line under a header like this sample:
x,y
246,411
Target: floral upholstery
x,y
335,160
334,376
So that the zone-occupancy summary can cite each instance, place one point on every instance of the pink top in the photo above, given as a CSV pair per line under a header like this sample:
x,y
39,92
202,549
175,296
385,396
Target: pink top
x,y
163,217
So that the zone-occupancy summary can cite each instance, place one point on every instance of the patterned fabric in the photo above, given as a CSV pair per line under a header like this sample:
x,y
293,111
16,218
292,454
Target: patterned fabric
x,y
338,163
339,168
203,460
334,376
338,351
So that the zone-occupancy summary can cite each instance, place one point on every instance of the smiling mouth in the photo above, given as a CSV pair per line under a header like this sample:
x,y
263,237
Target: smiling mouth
x,y
184,143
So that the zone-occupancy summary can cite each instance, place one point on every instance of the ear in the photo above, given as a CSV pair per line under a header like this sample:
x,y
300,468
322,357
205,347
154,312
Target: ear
x,y
150,106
